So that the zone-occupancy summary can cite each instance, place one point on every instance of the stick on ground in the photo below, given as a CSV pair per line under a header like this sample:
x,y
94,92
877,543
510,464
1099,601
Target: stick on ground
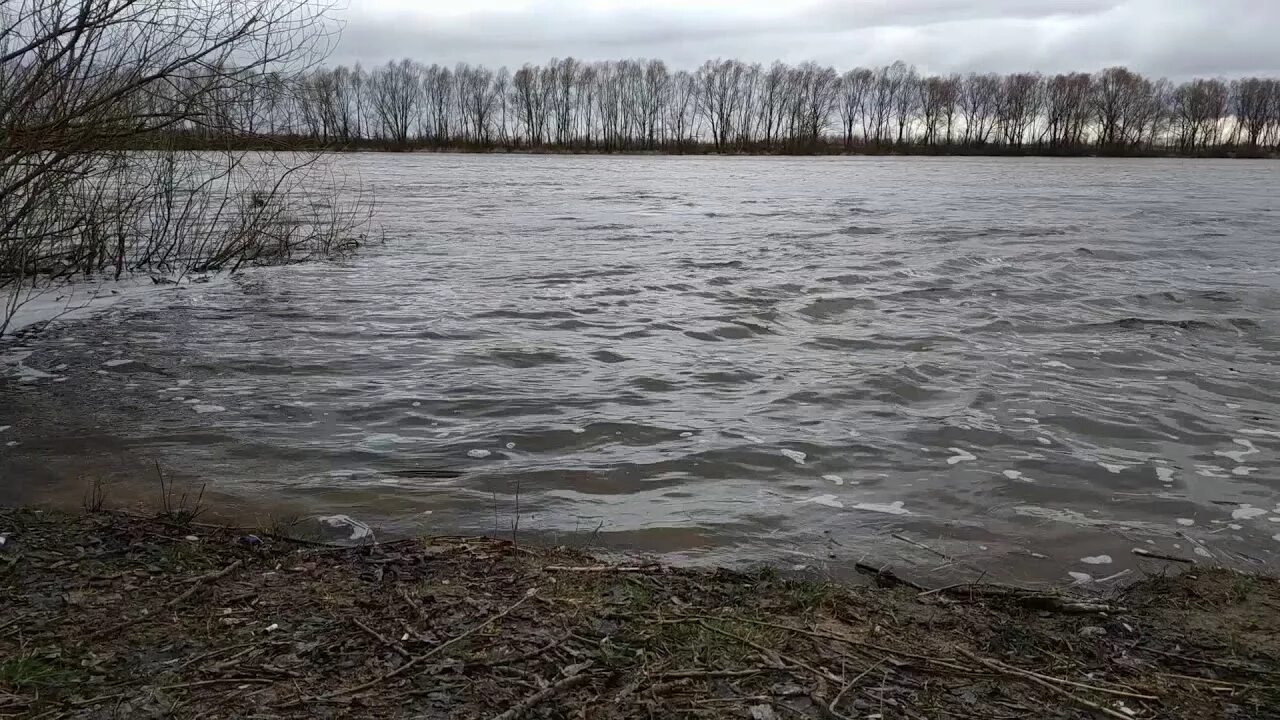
x,y
519,709
197,582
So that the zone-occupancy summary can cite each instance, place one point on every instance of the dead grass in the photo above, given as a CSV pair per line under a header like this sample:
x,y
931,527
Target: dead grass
x,y
111,616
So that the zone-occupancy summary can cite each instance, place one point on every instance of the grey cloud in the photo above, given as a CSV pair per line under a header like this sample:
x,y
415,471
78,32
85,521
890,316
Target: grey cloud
x,y
1174,38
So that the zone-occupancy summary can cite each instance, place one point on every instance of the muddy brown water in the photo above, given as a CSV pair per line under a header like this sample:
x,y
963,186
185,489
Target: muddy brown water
x,y
1031,366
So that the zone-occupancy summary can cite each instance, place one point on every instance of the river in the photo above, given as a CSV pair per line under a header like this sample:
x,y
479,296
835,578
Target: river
x,y
1029,366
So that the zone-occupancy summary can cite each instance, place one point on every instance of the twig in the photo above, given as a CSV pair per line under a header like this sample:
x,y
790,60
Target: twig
x,y
524,706
1210,663
112,629
412,603
393,645
1211,681
498,662
839,638
219,681
417,659
1162,556
826,709
1038,679
197,582
887,577
773,654
603,568
713,673
922,546
851,683
515,524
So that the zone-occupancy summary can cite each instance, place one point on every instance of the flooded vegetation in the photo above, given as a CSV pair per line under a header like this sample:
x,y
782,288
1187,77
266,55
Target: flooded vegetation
x,y
1026,369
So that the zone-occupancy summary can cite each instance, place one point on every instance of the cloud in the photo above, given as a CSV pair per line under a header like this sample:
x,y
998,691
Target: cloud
x,y
1174,38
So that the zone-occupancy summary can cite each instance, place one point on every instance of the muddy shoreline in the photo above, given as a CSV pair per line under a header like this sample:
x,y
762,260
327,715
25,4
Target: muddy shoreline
x,y
114,615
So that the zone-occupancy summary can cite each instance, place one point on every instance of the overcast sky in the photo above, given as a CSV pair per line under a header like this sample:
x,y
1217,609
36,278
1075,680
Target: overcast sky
x,y
1174,38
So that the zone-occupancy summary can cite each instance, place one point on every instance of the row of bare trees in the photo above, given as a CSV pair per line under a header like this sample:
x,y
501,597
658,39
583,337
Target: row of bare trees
x,y
85,83
728,105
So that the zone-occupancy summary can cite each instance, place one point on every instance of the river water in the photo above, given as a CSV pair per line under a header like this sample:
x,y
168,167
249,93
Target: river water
x,y
1031,366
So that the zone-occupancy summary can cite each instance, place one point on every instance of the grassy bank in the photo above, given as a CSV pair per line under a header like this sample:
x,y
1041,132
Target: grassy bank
x,y
106,615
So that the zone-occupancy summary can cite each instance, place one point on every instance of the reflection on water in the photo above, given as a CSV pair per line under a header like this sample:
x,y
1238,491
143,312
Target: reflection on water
x,y
1029,365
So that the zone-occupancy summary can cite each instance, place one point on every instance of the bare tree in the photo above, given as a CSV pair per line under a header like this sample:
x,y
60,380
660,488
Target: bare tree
x,y
396,94
938,97
84,84
1019,106
906,96
979,102
854,88
1067,109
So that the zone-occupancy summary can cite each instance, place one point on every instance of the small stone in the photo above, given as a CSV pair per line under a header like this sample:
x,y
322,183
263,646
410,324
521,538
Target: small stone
x,y
1092,631
762,712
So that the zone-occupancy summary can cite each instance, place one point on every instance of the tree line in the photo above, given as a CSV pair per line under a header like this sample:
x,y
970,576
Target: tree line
x,y
732,106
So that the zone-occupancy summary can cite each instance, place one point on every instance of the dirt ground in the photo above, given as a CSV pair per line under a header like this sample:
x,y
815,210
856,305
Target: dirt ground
x,y
111,616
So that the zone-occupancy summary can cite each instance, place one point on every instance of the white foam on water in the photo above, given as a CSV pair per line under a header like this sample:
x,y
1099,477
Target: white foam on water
x,y
1096,560
960,456
478,453
417,403
206,409
686,434
753,438
893,508
14,364
1080,578
834,478
1202,552
1233,526
1186,522
1274,519
1261,432
1058,364
1164,474
191,401
577,430
1276,537
11,443
118,362
795,455
830,501
1031,421
1043,440
1243,470
1211,471
1239,455
1017,475
183,383
1247,512
4,427
1113,468
511,446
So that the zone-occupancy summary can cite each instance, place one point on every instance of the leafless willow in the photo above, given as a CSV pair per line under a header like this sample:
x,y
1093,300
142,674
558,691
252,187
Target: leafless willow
x,y
120,123
731,106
